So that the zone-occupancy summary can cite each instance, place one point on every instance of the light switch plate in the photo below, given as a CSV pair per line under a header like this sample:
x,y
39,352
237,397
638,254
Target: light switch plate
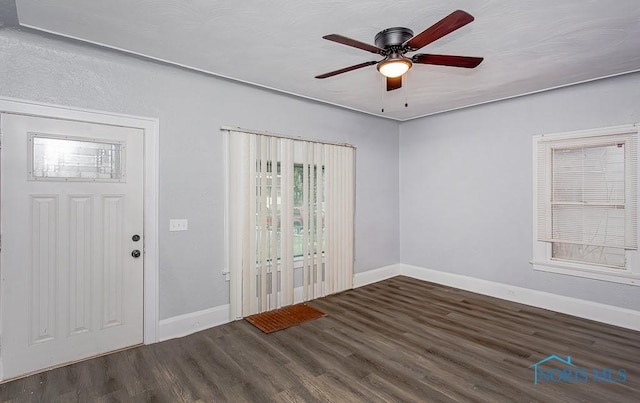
x,y
178,225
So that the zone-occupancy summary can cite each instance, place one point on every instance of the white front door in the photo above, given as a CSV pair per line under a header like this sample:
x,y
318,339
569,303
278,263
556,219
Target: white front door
x,y
72,221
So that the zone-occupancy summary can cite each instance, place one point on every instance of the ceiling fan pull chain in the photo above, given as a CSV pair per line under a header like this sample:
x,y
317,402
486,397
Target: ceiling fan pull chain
x,y
406,93
382,91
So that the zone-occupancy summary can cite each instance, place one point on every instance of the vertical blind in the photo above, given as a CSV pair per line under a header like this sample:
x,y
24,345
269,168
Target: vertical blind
x,y
587,196
290,220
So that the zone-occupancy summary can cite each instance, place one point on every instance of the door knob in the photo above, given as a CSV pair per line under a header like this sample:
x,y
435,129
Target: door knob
x,y
135,253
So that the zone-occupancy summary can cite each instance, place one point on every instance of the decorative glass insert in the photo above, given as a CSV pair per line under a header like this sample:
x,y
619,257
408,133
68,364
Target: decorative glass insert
x,y
67,158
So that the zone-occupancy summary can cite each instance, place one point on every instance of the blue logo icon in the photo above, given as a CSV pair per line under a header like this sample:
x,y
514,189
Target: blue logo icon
x,y
571,373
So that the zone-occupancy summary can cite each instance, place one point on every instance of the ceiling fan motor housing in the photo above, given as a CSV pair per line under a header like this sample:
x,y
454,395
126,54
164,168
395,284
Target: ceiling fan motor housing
x,y
393,37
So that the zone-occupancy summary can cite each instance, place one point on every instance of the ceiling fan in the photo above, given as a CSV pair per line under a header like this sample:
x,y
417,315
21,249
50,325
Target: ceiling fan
x,y
394,43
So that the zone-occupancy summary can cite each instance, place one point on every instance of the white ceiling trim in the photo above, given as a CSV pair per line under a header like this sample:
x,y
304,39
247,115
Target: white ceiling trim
x,y
210,73
169,62
523,95
528,46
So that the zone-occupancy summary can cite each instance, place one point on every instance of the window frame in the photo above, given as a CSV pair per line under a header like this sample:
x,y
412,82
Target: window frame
x,y
542,250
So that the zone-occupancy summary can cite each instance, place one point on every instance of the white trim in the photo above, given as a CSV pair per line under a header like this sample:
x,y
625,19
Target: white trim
x,y
541,250
375,275
602,274
225,171
283,136
184,325
610,314
151,220
586,133
150,126
556,87
295,94
210,73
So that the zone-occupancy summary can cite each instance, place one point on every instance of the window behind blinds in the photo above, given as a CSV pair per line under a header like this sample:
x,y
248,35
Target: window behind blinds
x,y
290,207
587,197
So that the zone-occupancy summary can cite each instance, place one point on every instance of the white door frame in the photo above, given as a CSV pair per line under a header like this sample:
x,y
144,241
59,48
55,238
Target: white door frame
x,y
150,127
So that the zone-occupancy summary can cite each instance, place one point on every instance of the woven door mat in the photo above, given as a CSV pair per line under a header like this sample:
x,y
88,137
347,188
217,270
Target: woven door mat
x,y
283,318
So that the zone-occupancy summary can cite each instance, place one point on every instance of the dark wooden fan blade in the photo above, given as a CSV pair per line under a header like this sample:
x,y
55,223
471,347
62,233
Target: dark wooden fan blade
x,y
394,83
350,68
352,42
448,24
447,60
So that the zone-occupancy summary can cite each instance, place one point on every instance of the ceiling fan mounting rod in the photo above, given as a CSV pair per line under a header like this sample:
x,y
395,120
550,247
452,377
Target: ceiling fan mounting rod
x,y
394,50
392,39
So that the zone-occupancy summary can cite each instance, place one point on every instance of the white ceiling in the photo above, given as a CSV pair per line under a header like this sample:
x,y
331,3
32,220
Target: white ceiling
x,y
528,45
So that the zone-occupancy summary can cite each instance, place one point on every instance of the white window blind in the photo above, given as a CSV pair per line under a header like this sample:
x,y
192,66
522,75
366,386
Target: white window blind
x,y
587,196
290,205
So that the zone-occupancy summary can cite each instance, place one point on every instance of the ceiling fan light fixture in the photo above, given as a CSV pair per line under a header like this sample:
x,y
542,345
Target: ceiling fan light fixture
x,y
394,67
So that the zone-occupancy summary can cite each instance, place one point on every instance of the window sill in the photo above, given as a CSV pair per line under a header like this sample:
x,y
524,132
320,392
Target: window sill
x,y
622,277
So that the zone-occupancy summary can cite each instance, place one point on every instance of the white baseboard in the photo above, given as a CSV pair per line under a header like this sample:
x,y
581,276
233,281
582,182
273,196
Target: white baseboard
x,y
375,275
612,315
359,279
183,325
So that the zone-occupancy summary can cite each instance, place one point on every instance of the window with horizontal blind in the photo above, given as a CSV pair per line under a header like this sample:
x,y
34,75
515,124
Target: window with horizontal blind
x,y
586,207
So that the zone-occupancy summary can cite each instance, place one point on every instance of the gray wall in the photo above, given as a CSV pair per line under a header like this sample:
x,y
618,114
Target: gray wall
x,y
466,185
191,108
465,189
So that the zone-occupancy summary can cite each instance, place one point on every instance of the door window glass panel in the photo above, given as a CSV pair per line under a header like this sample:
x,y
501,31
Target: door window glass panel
x,y
75,159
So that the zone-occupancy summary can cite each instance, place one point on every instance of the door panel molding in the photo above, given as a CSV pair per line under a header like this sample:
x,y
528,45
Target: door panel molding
x,y
80,255
112,263
43,267
150,128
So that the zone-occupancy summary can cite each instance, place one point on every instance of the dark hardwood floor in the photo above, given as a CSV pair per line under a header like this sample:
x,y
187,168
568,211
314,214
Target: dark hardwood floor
x,y
397,340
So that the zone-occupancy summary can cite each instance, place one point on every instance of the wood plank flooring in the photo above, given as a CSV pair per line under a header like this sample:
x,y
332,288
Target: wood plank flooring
x,y
399,340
